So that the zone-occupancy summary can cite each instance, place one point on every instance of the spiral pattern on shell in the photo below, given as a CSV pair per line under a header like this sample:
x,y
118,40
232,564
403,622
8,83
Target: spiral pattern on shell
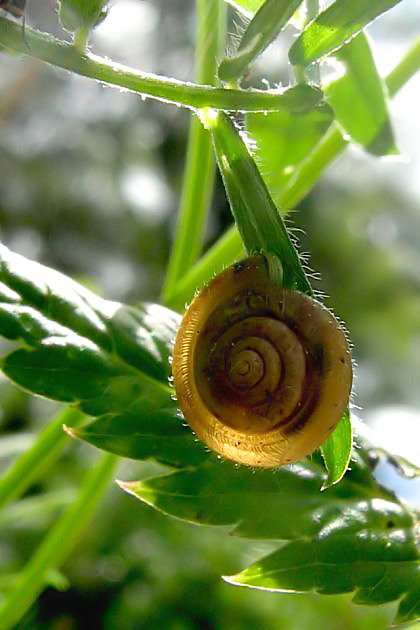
x,y
262,373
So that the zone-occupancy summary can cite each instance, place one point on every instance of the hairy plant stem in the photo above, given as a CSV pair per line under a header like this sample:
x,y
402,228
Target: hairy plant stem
x,y
63,55
80,39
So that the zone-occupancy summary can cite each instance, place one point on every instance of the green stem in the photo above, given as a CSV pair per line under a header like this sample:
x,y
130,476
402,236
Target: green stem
x,y
58,543
53,578
299,73
31,465
198,180
229,247
407,67
80,39
309,171
63,55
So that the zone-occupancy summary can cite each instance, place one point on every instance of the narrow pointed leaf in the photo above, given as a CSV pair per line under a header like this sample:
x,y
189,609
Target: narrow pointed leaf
x,y
139,421
334,27
336,451
258,220
367,120
51,293
267,23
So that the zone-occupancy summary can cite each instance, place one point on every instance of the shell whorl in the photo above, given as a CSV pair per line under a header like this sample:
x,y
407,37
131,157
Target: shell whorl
x,y
262,373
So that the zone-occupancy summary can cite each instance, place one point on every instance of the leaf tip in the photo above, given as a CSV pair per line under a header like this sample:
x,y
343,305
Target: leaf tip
x,y
70,431
128,486
231,579
333,478
131,487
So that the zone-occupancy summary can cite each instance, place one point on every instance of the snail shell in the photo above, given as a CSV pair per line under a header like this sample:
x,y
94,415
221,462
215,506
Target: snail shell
x,y
262,373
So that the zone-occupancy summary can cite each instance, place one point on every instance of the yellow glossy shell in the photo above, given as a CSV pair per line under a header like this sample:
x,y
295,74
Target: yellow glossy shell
x,y
262,373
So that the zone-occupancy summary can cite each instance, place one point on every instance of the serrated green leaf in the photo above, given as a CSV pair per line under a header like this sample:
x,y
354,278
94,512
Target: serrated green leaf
x,y
277,157
380,566
354,536
80,14
139,421
367,120
58,297
110,360
158,434
45,300
267,23
69,369
336,450
143,336
283,504
334,27
127,393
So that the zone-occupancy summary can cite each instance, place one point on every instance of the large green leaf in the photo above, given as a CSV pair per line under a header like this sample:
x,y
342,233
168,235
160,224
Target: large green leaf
x,y
65,368
267,23
40,304
159,434
334,27
282,505
355,536
380,566
109,359
366,121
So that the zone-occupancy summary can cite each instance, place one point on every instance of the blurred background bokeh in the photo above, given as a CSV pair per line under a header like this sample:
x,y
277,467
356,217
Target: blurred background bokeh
x,y
90,179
